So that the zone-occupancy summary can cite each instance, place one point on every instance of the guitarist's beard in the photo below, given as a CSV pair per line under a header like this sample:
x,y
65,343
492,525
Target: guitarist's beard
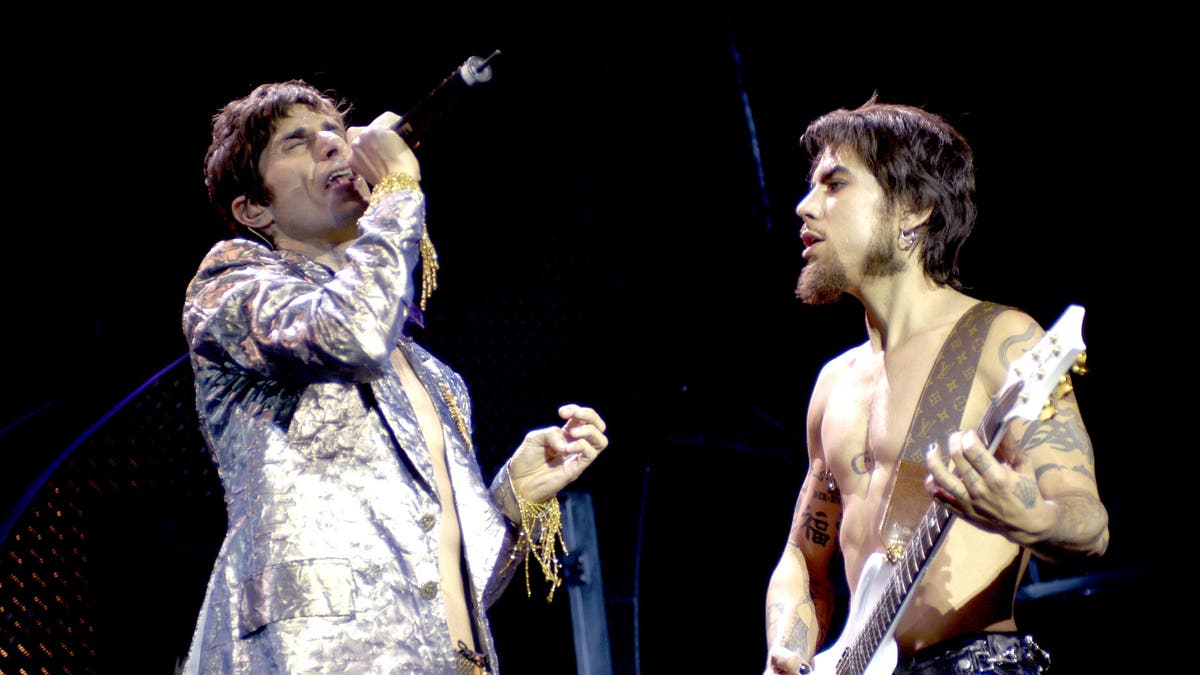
x,y
822,282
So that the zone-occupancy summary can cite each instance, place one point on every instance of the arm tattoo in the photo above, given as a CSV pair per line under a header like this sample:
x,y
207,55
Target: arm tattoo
x,y
797,639
797,636
1008,344
831,493
1079,469
1062,432
1079,516
1059,467
831,497
774,611
1077,513
815,527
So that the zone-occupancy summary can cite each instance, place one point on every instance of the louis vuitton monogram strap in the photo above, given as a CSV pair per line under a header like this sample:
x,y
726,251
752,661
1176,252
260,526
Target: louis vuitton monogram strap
x,y
939,413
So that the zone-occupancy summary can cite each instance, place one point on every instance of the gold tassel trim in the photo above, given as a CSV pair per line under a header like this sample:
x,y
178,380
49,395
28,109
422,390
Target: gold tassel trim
x,y
548,516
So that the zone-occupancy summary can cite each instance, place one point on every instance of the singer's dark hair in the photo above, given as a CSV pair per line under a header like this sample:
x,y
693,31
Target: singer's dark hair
x,y
240,133
920,162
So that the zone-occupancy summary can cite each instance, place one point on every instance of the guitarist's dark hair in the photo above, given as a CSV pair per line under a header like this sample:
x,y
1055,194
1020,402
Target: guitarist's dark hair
x,y
921,162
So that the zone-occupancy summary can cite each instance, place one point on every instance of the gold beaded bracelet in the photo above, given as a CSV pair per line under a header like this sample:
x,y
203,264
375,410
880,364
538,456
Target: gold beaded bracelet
x,y
429,259
547,518
544,517
393,182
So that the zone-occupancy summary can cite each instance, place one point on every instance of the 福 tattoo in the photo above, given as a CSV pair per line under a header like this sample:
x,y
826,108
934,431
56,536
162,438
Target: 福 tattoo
x,y
816,527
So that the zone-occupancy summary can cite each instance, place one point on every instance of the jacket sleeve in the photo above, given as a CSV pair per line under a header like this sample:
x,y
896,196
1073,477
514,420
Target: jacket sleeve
x,y
287,318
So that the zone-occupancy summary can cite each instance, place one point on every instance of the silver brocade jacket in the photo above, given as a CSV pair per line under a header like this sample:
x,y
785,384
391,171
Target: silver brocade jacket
x,y
330,561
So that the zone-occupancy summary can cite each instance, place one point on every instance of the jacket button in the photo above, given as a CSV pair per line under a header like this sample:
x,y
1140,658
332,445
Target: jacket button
x,y
429,590
427,521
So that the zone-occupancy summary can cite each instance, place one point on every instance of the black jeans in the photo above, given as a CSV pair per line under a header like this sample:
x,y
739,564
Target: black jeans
x,y
979,654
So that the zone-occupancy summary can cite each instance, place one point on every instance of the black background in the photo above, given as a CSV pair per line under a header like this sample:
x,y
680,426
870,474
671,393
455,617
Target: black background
x,y
614,218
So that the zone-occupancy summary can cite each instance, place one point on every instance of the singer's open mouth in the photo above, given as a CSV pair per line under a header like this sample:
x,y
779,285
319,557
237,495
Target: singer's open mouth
x,y
340,176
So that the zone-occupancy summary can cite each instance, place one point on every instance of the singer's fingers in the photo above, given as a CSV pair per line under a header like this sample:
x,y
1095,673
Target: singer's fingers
x,y
575,413
387,120
377,151
587,434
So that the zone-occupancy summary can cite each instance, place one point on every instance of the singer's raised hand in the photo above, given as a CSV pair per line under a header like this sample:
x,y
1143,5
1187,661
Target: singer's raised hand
x,y
376,150
549,459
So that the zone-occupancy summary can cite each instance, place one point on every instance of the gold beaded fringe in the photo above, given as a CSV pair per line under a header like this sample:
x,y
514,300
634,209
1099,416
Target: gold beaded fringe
x,y
429,259
429,267
549,517
546,516
456,415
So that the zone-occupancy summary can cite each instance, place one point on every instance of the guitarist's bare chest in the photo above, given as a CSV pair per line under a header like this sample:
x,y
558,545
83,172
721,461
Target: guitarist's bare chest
x,y
870,409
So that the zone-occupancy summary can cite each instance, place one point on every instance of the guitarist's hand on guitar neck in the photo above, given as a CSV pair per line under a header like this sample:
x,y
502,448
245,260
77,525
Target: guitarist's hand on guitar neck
x,y
994,492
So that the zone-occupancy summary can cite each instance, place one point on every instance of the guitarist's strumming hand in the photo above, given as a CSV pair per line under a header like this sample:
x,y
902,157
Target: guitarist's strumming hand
x,y
996,494
783,661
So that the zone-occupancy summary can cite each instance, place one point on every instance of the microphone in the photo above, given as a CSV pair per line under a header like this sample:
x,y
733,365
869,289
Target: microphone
x,y
415,123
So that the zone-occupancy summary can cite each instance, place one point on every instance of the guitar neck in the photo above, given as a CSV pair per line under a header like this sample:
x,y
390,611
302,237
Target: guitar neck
x,y
923,544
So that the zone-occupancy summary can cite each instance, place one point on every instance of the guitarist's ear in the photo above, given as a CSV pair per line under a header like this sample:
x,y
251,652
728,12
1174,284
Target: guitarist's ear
x,y
911,220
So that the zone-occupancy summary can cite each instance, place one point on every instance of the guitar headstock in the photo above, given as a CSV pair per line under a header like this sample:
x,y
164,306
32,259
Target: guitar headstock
x,y
1041,372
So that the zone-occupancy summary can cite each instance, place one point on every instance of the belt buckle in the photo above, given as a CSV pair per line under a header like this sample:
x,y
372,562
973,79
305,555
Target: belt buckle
x,y
984,660
1033,655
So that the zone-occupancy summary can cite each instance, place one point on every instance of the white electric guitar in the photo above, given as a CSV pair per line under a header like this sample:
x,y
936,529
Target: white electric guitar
x,y
1035,382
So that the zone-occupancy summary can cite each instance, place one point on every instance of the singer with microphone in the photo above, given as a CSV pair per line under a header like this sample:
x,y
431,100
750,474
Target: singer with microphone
x,y
362,535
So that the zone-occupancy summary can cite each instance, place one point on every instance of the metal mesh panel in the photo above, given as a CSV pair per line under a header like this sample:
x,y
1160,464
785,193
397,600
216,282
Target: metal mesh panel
x,y
94,565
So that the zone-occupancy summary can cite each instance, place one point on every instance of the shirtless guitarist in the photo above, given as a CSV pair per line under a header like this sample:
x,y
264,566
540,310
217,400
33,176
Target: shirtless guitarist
x,y
891,202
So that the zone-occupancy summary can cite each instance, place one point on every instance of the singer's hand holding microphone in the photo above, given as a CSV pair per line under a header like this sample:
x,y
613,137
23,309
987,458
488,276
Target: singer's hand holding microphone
x,y
377,150
385,145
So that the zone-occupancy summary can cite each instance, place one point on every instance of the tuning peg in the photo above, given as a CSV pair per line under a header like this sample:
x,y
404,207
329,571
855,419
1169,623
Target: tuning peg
x,y
1080,366
1048,411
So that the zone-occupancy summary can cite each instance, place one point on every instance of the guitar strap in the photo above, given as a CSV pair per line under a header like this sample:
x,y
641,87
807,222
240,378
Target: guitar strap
x,y
938,414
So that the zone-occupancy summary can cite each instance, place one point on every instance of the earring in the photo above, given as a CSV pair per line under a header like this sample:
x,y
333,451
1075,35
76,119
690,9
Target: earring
x,y
907,238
